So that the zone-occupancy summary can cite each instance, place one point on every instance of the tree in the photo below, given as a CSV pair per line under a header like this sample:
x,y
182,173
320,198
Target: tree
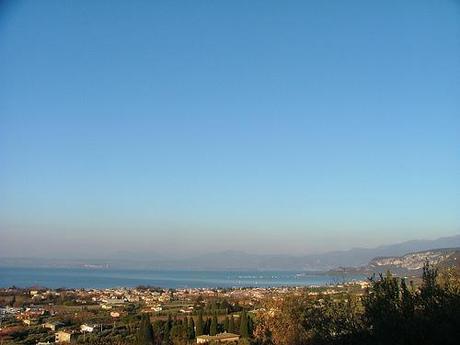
x,y
250,326
330,320
237,322
382,308
158,330
390,312
395,314
213,326
199,324
179,334
191,328
167,330
145,333
282,324
244,330
231,325
207,326
226,324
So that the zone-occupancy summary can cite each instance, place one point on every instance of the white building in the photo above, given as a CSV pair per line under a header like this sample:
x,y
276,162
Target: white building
x,y
218,338
88,328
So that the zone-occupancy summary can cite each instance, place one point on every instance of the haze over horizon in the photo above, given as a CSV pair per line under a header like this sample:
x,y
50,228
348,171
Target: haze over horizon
x,y
139,255
197,127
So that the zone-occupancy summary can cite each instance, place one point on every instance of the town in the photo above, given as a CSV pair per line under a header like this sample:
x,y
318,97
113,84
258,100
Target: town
x,y
39,316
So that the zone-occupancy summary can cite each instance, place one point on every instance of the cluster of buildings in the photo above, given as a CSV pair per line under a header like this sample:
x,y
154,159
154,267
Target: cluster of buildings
x,y
45,307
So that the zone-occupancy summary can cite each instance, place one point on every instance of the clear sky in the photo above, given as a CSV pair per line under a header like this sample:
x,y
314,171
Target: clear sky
x,y
200,126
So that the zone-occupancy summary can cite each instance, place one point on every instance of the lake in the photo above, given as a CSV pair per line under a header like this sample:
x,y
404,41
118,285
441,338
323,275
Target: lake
x,y
106,278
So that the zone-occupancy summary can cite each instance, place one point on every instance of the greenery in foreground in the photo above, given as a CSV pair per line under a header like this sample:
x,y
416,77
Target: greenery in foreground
x,y
391,312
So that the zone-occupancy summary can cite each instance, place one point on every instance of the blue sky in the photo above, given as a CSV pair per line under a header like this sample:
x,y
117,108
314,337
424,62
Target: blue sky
x,y
199,126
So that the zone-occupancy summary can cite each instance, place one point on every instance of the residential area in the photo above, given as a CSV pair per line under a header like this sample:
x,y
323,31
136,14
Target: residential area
x,y
38,316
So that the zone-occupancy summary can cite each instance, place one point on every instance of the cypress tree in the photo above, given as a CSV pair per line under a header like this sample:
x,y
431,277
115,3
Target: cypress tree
x,y
170,321
226,324
191,328
167,330
244,332
199,324
237,323
145,333
207,326
213,326
250,326
186,325
231,325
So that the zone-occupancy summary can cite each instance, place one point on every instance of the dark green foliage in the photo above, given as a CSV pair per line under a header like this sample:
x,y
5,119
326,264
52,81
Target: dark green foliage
x,y
213,326
170,321
158,331
132,309
174,331
179,333
231,325
191,328
382,308
226,324
199,324
145,334
250,326
329,320
244,329
207,326
390,312
400,315
237,322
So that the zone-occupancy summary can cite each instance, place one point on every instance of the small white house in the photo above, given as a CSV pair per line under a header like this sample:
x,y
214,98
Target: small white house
x,y
88,328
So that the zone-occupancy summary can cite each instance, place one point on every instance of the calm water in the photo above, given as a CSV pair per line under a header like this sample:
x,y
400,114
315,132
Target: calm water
x,y
104,278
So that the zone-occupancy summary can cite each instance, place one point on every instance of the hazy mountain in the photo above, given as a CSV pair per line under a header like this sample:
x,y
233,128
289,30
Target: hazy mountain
x,y
236,260
361,256
352,258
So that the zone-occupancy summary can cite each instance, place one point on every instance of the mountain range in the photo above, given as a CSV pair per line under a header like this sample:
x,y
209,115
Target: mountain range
x,y
236,260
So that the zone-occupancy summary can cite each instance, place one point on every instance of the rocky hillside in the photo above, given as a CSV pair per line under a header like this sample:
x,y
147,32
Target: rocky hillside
x,y
415,261
411,263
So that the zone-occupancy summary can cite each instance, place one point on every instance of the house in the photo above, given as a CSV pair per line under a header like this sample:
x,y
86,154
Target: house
x,y
89,328
114,314
30,322
157,308
65,337
53,326
218,338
